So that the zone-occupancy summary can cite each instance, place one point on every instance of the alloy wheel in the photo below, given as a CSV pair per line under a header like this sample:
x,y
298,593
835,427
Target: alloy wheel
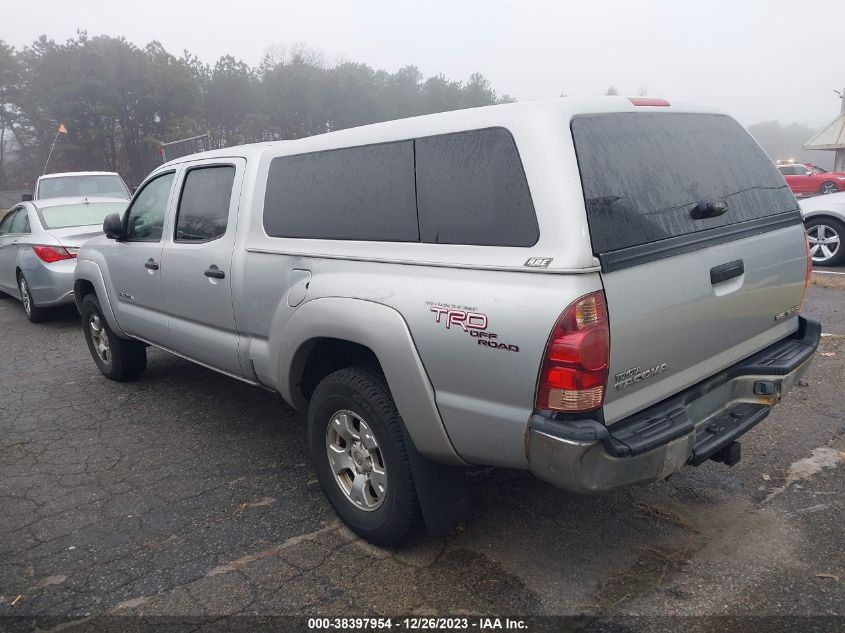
x,y
356,460
824,242
99,338
25,298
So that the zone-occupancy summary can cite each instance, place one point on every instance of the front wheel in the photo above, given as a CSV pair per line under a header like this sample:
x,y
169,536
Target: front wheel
x,y
828,187
359,455
825,237
117,358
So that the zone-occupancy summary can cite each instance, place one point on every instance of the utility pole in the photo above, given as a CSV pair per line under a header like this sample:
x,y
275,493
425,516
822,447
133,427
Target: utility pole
x,y
839,157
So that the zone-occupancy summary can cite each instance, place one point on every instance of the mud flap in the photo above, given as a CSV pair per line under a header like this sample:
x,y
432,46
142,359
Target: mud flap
x,y
442,490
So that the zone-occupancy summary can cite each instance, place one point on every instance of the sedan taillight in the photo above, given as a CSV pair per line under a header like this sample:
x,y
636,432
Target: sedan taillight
x,y
52,254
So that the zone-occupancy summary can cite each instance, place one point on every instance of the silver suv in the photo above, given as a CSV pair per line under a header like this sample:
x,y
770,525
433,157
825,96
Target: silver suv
x,y
598,291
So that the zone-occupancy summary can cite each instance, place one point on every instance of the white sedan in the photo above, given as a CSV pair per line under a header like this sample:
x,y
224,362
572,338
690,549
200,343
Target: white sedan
x,y
824,217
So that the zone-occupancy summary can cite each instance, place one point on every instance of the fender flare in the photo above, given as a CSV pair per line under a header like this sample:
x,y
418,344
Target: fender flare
x,y
383,330
87,270
822,213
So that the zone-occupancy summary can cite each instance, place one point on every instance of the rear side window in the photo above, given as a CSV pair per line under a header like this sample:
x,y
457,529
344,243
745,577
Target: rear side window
x,y
643,173
6,222
471,189
359,193
20,224
204,204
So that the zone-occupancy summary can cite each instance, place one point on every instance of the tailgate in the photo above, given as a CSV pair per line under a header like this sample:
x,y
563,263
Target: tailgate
x,y
701,245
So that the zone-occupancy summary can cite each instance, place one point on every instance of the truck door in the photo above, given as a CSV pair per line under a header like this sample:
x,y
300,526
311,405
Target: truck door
x,y
135,265
196,290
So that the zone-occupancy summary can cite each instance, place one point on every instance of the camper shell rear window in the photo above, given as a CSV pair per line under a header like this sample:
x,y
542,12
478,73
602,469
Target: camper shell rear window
x,y
643,173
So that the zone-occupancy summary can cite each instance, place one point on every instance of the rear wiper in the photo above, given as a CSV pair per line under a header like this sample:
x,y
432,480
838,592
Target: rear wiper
x,y
708,210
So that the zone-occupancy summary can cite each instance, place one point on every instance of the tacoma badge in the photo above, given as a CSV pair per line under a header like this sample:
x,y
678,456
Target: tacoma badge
x,y
633,375
787,313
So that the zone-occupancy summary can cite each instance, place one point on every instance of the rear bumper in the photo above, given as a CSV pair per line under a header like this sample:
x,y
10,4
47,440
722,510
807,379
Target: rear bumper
x,y
688,428
51,284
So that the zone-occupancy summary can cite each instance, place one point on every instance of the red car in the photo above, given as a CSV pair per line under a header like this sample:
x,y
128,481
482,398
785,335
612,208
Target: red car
x,y
809,179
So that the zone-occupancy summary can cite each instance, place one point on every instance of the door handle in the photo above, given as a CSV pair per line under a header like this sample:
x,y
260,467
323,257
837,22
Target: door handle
x,y
708,210
151,264
718,274
214,272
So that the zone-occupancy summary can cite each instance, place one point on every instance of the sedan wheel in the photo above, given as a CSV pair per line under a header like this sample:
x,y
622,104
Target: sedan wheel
x,y
32,311
829,187
26,299
824,243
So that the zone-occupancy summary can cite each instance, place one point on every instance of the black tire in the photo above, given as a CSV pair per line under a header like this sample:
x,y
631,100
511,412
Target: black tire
x,y
828,186
125,360
33,312
829,226
365,394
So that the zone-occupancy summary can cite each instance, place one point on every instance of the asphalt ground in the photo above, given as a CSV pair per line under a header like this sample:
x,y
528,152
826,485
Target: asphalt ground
x,y
190,495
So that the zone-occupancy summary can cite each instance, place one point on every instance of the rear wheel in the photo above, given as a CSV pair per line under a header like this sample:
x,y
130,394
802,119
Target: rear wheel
x,y
359,455
117,358
33,312
825,237
828,187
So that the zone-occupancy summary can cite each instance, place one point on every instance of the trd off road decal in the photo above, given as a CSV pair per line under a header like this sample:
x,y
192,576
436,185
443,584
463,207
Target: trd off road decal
x,y
470,321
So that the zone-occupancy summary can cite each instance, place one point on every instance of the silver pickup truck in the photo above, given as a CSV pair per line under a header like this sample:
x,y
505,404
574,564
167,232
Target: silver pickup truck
x,y
600,291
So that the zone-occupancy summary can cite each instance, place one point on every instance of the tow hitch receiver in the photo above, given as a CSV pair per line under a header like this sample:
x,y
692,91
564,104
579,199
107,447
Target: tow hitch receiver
x,y
729,455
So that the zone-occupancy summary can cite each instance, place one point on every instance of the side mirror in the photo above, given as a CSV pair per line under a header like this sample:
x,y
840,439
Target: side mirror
x,y
113,226
809,173
27,197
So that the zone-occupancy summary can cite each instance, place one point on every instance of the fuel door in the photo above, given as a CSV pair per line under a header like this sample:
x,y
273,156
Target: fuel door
x,y
299,281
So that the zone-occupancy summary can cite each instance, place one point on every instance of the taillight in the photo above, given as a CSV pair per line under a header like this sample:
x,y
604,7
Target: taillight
x,y
52,254
573,375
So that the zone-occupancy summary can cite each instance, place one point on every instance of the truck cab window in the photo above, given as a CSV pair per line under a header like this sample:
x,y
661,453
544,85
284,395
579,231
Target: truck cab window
x,y
204,204
145,219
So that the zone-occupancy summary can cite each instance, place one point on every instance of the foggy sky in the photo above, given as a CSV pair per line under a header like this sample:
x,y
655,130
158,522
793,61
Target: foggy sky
x,y
756,59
